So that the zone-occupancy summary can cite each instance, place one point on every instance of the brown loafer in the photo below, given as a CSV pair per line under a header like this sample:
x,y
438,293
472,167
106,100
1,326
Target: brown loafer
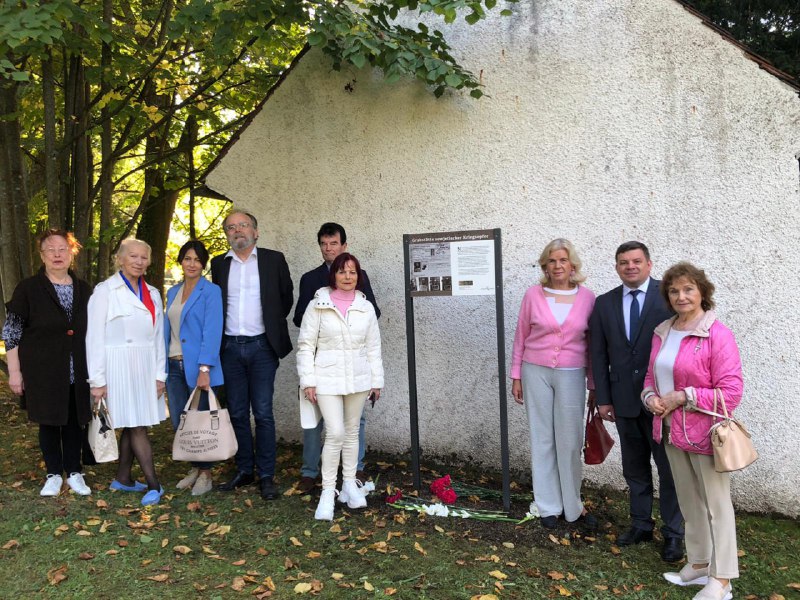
x,y
307,485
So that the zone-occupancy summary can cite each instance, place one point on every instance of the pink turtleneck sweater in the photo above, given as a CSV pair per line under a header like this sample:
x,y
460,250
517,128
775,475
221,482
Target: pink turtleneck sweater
x,y
342,299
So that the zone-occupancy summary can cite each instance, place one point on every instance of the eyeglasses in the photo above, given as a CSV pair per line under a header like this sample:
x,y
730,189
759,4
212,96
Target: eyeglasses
x,y
235,226
51,250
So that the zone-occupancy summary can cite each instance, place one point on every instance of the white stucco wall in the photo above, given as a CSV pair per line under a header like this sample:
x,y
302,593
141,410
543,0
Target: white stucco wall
x,y
606,121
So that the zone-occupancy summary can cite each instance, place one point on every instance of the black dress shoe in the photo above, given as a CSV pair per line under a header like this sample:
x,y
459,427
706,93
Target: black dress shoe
x,y
550,522
239,480
268,489
672,550
634,535
588,522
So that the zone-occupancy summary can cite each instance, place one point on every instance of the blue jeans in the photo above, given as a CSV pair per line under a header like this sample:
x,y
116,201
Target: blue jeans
x,y
249,365
178,394
312,447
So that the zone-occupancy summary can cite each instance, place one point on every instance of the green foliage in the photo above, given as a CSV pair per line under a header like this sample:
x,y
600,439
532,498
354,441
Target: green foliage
x,y
770,28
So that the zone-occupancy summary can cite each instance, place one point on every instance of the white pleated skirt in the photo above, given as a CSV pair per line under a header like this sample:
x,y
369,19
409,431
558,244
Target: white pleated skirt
x,y
132,393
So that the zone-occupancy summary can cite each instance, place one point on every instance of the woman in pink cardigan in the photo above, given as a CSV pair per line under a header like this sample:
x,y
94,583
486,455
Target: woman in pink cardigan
x,y
695,359
549,370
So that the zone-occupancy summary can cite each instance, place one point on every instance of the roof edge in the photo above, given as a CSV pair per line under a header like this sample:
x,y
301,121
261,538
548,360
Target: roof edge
x,y
248,120
762,62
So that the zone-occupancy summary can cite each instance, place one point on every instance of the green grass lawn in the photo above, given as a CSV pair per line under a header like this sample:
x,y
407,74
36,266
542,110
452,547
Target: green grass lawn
x,y
238,546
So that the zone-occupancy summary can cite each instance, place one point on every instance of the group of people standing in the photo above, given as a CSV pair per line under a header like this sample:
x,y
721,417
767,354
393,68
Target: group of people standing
x,y
651,355
70,347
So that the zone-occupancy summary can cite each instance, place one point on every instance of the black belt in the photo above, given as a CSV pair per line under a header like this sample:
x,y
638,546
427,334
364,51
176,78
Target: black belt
x,y
245,339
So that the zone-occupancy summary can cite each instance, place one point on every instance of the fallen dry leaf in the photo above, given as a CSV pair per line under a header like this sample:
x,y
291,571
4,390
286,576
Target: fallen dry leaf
x,y
337,576
161,577
181,549
112,552
92,521
484,597
794,586
84,533
498,574
335,528
563,591
86,556
193,506
774,596
615,550
420,549
369,587
554,539
295,541
10,544
262,552
57,575
101,504
238,584
238,563
313,554
555,575
390,591
508,544
164,542
302,588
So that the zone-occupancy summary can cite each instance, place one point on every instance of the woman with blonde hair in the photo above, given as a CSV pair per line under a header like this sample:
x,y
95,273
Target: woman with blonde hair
x,y
44,333
549,369
126,358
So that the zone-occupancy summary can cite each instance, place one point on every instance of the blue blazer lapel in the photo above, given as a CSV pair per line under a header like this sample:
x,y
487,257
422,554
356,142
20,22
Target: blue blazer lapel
x,y
193,298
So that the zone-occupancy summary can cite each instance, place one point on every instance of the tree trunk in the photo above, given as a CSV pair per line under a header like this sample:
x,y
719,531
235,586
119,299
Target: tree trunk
x,y
81,172
155,225
54,214
17,190
10,269
106,162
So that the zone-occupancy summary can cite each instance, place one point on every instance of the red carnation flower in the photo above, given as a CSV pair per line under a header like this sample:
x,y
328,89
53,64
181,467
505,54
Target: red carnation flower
x,y
394,497
448,496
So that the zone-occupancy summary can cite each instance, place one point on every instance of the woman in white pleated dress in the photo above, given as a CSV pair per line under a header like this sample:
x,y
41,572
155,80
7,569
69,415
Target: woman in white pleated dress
x,y
126,362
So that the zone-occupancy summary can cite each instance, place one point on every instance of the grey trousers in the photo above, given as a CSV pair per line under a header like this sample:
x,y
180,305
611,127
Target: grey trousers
x,y
555,401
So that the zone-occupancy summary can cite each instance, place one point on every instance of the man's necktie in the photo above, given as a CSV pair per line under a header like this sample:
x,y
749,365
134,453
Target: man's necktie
x,y
634,317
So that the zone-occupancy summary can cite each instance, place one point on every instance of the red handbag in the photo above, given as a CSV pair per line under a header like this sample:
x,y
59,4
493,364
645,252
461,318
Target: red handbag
x,y
598,441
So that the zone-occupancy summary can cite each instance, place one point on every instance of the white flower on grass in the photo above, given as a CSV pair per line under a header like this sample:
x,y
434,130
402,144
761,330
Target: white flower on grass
x,y
533,511
437,510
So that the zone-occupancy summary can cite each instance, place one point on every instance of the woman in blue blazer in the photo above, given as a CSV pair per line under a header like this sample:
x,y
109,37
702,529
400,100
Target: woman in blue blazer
x,y
193,334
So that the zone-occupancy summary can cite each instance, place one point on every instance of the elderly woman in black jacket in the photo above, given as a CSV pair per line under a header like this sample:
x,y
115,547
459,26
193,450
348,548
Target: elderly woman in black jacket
x,y
45,333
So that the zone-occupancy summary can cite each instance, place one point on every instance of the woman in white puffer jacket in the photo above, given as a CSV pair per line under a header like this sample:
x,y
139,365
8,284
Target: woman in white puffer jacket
x,y
339,365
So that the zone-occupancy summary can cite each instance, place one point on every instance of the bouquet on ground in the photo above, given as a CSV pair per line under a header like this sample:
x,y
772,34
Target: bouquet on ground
x,y
442,488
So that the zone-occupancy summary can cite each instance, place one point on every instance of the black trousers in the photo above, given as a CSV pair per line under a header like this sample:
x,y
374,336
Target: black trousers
x,y
61,444
638,446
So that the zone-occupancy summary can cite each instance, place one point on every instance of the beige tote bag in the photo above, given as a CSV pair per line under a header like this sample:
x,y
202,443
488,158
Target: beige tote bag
x,y
204,435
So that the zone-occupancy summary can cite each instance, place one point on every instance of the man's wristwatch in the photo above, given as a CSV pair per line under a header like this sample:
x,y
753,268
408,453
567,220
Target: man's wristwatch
x,y
204,369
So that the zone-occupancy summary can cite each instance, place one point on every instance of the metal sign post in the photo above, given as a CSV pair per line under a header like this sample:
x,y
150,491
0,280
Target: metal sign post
x,y
456,263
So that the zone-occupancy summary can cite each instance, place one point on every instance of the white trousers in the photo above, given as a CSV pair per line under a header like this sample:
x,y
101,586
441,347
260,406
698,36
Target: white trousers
x,y
705,500
342,416
555,401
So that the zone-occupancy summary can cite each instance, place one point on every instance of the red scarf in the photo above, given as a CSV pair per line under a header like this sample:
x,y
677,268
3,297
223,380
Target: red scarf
x,y
147,299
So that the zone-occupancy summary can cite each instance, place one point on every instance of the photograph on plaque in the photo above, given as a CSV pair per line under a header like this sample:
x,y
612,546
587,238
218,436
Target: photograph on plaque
x,y
459,263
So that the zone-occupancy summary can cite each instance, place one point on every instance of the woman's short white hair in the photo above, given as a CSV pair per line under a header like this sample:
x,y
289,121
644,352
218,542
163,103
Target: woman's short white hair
x,y
125,247
561,244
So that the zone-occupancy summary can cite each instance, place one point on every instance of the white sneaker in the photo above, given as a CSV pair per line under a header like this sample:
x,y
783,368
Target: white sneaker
x,y
324,510
354,495
52,487
714,590
688,576
78,485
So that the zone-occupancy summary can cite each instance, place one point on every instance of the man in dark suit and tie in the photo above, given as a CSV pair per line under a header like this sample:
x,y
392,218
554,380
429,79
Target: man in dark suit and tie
x,y
257,296
621,326
332,240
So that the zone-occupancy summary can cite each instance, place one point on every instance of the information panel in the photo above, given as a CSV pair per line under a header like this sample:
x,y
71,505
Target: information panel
x,y
452,263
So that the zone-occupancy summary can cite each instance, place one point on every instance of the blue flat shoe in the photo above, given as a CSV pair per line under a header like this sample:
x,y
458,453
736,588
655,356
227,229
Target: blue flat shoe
x,y
153,497
137,486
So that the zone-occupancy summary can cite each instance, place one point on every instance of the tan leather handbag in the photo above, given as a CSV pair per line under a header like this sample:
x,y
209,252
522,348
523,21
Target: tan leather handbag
x,y
730,440
204,435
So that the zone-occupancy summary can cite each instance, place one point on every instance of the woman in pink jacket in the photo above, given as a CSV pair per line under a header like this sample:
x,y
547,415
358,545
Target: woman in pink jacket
x,y
549,370
693,359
